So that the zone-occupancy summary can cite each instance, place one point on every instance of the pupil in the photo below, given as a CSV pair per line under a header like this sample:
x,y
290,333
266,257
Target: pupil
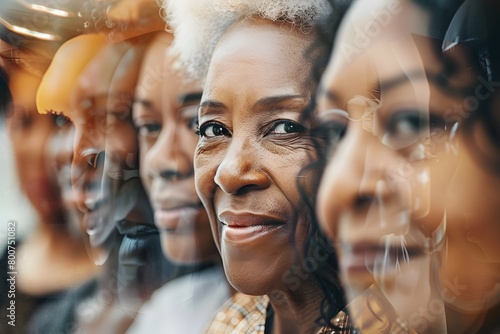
x,y
218,131
289,127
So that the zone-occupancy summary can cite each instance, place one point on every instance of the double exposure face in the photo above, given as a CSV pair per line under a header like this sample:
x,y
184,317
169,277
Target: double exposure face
x,y
394,152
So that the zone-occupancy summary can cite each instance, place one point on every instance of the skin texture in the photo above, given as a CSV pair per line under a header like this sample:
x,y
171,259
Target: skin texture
x,y
393,176
165,113
251,149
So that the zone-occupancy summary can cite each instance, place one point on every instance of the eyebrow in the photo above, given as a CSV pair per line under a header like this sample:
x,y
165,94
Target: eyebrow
x,y
212,107
148,104
329,94
272,101
380,86
393,82
190,97
265,103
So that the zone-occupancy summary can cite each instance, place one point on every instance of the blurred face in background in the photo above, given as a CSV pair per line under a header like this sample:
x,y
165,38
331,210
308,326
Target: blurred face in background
x,y
30,132
117,216
396,157
165,113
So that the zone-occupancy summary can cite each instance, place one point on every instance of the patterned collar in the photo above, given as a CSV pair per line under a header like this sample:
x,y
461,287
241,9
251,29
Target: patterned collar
x,y
243,314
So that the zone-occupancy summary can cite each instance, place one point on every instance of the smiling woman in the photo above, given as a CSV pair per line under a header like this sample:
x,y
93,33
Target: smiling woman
x,y
254,141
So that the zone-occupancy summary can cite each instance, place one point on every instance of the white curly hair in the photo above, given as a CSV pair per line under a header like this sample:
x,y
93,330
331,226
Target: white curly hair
x,y
198,25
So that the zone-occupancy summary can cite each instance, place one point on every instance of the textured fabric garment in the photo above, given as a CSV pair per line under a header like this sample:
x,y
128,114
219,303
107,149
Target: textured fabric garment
x,y
244,314
184,305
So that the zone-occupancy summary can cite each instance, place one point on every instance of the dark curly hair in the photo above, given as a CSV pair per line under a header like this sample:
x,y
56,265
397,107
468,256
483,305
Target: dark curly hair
x,y
327,275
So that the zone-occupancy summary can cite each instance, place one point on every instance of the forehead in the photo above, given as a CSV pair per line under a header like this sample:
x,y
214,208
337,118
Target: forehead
x,y
111,73
258,48
156,66
397,48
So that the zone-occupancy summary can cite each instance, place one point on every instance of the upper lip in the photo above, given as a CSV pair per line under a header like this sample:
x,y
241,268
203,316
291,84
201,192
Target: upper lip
x,y
127,227
174,204
362,247
247,219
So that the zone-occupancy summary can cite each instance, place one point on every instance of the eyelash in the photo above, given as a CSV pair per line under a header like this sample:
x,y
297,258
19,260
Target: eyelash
x,y
59,117
144,130
272,127
201,130
269,129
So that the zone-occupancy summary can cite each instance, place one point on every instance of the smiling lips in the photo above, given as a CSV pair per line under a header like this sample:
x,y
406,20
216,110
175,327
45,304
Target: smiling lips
x,y
245,226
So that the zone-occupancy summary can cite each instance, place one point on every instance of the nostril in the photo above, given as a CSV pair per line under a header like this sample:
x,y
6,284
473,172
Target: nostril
x,y
247,188
174,175
363,201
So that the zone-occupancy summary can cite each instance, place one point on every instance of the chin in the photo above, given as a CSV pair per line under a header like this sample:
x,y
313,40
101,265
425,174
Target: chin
x,y
180,249
250,278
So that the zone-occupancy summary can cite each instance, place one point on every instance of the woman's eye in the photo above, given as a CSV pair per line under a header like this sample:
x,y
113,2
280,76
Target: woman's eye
x,y
192,124
284,127
332,131
149,129
210,130
60,120
405,128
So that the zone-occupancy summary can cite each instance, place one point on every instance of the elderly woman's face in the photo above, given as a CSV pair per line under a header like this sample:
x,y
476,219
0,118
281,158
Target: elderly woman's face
x,y
253,144
389,110
166,113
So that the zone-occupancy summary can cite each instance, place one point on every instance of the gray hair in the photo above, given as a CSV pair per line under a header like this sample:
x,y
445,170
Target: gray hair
x,y
198,25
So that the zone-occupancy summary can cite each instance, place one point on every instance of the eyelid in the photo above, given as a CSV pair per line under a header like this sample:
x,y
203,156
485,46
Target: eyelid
x,y
202,128
268,129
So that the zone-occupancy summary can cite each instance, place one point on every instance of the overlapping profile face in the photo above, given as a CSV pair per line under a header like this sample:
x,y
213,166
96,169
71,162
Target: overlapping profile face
x,y
99,88
165,114
253,144
399,176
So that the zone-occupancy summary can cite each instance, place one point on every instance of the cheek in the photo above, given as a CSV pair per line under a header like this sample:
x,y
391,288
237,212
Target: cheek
x,y
205,167
123,145
144,166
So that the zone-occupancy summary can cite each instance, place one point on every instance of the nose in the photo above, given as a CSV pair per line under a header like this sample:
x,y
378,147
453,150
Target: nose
x,y
61,148
359,177
88,160
240,170
171,156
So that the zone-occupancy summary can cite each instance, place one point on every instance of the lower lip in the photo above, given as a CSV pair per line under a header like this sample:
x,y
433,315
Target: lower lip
x,y
98,223
244,234
358,262
177,220
365,261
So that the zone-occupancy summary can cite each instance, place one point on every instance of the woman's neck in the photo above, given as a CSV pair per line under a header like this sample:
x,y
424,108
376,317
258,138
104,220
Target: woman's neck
x,y
296,311
471,288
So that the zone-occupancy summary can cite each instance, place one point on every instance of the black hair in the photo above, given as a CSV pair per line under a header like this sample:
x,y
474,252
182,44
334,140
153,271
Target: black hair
x,y
327,275
475,30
